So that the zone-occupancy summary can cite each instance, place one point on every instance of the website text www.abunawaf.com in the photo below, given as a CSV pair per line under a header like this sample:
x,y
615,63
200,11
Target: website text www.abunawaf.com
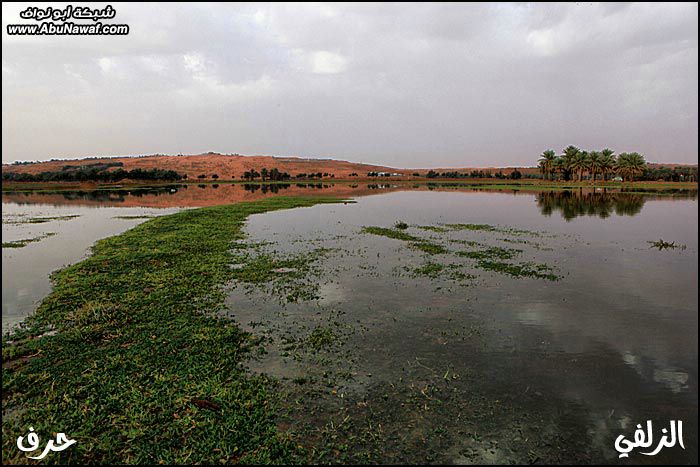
x,y
53,29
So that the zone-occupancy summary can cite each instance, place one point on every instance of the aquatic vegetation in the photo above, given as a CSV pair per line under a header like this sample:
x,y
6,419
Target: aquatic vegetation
x,y
391,233
432,228
486,227
24,242
429,247
663,245
140,312
321,337
144,216
290,276
429,269
416,242
492,228
539,271
401,225
42,220
491,253
435,270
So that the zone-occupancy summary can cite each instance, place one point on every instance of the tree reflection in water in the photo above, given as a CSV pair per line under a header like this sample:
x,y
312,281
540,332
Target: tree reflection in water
x,y
602,204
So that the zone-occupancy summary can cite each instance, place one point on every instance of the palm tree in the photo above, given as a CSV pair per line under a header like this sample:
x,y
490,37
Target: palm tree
x,y
263,173
568,157
607,161
559,165
579,163
594,163
630,164
546,163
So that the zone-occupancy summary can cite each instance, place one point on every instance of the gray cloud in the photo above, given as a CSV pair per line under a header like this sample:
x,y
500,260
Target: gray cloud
x,y
406,85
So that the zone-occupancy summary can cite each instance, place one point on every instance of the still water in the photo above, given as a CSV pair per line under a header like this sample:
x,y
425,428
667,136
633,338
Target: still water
x,y
445,360
490,368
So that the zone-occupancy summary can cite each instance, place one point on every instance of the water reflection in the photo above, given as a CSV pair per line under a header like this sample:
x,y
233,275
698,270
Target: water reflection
x,y
601,203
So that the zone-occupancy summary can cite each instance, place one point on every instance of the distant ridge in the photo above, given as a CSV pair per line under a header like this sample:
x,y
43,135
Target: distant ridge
x,y
232,166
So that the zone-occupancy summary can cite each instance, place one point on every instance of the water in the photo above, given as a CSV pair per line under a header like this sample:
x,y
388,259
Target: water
x,y
469,365
60,242
583,359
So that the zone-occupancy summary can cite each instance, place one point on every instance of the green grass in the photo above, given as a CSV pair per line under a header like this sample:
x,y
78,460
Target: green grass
x,y
494,252
538,271
138,367
391,233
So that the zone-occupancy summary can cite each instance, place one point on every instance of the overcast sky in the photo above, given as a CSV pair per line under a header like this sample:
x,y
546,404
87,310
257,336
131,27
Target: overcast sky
x,y
404,85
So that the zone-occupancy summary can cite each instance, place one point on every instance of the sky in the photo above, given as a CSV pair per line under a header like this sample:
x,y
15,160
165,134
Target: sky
x,y
404,85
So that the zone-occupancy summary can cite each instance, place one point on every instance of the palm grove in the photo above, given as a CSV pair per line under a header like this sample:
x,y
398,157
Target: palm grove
x,y
574,163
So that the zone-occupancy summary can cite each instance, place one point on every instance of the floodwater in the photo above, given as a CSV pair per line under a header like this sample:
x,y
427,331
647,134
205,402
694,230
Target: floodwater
x,y
63,235
482,366
386,350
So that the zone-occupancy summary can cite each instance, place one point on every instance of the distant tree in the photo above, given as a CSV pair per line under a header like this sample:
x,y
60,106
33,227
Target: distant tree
x,y
215,176
607,162
263,174
630,165
594,163
200,176
547,163
516,175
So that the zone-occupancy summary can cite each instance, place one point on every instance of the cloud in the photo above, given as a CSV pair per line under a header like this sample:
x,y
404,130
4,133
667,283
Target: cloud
x,y
406,85
324,62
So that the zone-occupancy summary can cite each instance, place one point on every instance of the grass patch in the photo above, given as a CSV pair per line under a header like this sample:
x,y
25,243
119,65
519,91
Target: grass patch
x,y
539,271
432,228
429,269
489,253
416,242
133,217
24,242
138,367
391,233
492,228
42,220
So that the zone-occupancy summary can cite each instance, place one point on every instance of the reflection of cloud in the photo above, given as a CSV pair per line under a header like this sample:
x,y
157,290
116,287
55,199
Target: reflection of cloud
x,y
677,381
331,293
673,379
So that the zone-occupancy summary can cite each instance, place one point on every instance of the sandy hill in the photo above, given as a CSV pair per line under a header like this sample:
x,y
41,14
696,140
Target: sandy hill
x,y
225,166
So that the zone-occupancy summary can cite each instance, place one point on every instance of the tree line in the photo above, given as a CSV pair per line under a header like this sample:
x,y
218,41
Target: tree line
x,y
272,175
574,163
98,174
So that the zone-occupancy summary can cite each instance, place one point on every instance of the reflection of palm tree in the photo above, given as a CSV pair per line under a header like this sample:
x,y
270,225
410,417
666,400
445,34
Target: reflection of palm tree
x,y
577,203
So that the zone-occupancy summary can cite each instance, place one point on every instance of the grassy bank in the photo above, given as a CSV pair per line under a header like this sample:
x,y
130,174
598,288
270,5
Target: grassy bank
x,y
128,357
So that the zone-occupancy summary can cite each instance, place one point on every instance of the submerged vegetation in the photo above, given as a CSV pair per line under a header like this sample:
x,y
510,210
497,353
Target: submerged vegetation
x,y
663,245
24,242
128,352
490,258
42,220
415,242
